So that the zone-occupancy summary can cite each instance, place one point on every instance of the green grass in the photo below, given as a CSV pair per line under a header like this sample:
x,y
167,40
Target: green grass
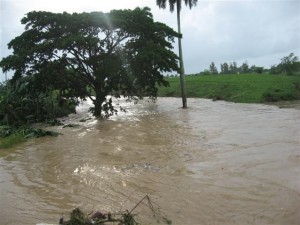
x,y
244,88
11,141
11,136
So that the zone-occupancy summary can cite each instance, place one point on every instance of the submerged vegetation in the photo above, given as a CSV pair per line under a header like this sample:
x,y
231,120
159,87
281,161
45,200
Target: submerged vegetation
x,y
21,106
11,140
10,136
78,217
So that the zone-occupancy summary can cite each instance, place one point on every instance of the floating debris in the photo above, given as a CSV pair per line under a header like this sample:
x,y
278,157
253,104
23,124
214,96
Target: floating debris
x,y
80,218
127,217
71,125
84,120
53,122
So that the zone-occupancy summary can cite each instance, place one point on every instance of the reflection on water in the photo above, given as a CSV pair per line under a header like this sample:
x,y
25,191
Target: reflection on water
x,y
213,163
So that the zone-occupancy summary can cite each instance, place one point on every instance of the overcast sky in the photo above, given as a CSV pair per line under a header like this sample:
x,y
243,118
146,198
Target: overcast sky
x,y
260,32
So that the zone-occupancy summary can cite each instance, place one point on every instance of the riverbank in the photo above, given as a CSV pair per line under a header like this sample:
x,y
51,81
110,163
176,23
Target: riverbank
x,y
244,88
11,136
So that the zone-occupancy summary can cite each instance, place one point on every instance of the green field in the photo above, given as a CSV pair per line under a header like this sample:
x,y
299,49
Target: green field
x,y
244,88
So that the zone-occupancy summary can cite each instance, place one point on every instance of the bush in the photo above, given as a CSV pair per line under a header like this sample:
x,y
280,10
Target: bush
x,y
275,95
19,105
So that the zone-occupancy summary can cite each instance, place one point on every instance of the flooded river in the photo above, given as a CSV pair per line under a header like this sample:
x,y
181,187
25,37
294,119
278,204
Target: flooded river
x,y
214,163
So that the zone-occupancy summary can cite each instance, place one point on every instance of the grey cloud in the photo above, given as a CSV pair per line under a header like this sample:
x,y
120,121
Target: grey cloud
x,y
260,32
241,30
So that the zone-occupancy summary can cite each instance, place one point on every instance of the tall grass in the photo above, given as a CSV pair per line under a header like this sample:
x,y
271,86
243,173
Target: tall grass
x,y
10,136
11,140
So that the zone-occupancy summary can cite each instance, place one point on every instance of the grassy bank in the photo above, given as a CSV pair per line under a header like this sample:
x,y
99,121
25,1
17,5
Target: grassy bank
x,y
11,136
12,140
244,88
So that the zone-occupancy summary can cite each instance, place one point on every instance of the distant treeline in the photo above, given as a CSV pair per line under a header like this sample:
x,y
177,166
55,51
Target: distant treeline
x,y
289,65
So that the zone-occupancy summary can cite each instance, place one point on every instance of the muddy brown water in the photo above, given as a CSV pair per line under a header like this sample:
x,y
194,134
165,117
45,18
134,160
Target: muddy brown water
x,y
213,163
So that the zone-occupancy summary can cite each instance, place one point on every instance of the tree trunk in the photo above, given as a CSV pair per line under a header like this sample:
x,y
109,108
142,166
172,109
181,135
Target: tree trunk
x,y
182,80
99,99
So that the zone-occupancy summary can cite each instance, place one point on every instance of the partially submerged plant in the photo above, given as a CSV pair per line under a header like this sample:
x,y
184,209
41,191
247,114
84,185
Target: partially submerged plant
x,y
71,125
25,131
77,217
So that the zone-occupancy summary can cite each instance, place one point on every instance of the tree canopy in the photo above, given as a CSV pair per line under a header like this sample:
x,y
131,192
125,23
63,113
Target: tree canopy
x,y
95,55
289,64
172,3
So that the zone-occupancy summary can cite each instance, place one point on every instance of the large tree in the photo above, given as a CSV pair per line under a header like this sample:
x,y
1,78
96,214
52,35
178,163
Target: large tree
x,y
289,64
95,55
178,3
213,69
225,68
